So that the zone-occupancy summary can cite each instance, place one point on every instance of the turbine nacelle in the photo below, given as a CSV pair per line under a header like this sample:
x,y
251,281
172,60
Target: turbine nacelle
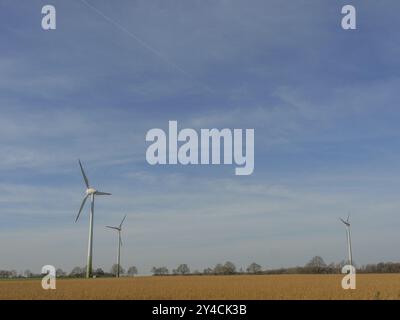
x,y
91,191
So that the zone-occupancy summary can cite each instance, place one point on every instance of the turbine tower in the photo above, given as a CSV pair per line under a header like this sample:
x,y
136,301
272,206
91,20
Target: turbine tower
x,y
119,229
347,224
90,192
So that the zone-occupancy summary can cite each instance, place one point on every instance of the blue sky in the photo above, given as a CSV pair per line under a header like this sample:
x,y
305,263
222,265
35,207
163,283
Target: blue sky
x,y
323,103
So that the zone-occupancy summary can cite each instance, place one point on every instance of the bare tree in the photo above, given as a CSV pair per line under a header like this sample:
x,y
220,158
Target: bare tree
x,y
132,271
28,273
316,265
183,269
114,269
159,271
219,269
229,267
99,272
207,271
60,273
254,268
77,272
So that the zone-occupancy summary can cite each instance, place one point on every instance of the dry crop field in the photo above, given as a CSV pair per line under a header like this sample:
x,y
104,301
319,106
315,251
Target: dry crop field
x,y
371,286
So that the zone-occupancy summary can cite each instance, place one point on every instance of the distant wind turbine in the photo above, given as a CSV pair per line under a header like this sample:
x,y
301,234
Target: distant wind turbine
x,y
90,192
119,229
347,224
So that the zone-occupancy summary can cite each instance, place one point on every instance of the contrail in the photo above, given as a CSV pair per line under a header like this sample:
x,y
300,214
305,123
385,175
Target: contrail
x,y
140,41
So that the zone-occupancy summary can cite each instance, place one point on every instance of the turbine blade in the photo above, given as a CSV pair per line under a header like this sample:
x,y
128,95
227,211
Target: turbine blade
x,y
80,209
84,175
120,225
345,222
112,227
120,241
348,217
98,193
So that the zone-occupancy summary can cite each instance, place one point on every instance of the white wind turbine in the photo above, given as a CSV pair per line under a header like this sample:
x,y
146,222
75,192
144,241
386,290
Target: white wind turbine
x,y
119,229
347,224
90,192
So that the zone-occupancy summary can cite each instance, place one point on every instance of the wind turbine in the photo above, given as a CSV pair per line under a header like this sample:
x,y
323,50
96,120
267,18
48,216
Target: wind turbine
x,y
347,224
90,192
119,229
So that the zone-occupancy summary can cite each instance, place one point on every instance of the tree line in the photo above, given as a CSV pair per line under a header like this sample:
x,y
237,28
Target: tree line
x,y
316,265
76,272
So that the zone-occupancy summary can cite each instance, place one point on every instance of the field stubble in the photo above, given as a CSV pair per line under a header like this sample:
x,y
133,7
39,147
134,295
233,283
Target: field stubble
x,y
369,286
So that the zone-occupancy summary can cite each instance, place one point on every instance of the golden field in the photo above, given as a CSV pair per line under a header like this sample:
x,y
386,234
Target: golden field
x,y
369,286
